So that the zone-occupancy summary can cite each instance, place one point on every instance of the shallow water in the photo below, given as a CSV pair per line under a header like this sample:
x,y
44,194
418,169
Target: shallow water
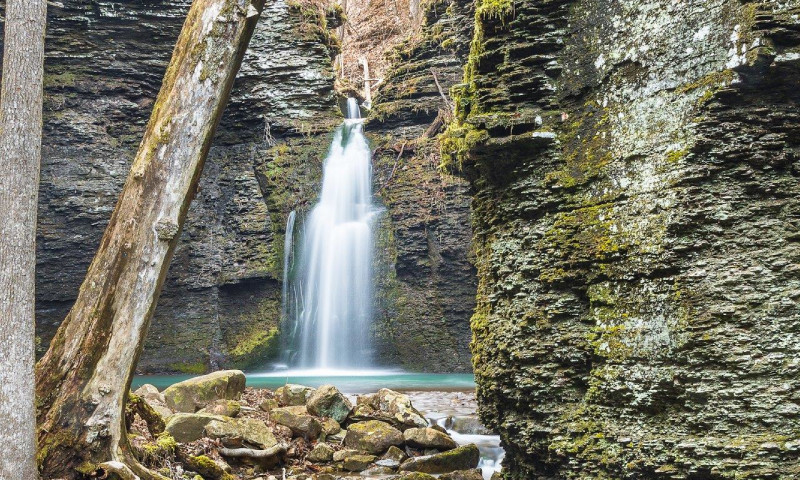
x,y
348,381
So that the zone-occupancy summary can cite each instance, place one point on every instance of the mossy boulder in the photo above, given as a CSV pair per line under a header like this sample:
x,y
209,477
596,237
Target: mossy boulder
x,y
321,453
474,474
372,436
389,406
196,393
298,420
328,401
238,432
428,438
207,468
293,395
188,427
416,476
461,458
358,462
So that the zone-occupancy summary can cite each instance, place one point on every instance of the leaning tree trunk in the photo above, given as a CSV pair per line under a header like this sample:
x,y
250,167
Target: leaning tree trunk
x,y
20,154
83,380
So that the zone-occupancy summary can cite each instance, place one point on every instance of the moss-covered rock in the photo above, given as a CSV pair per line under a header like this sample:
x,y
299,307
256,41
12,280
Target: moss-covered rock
x,y
196,393
461,458
328,401
372,436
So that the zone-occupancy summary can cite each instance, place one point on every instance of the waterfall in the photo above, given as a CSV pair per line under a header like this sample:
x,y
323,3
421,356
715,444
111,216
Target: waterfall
x,y
335,282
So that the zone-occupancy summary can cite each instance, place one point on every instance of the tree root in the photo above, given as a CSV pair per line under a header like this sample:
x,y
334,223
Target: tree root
x,y
253,453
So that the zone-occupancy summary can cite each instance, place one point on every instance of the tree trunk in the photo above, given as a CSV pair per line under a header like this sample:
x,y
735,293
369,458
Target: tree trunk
x,y
84,378
20,155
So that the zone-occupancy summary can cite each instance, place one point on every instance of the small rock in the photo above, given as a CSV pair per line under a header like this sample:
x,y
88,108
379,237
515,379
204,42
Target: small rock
x,y
293,395
191,395
298,420
328,401
377,471
468,425
388,462
428,438
321,453
340,455
474,474
461,458
268,404
226,408
337,437
358,462
372,436
395,454
188,427
236,432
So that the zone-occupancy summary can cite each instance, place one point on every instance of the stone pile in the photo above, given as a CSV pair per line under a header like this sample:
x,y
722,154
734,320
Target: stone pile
x,y
215,428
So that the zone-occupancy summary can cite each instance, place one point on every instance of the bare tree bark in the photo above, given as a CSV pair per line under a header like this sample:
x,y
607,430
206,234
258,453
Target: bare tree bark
x,y
83,379
20,156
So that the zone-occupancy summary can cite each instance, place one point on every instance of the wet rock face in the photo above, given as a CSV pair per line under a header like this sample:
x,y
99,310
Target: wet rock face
x,y
426,279
105,61
635,168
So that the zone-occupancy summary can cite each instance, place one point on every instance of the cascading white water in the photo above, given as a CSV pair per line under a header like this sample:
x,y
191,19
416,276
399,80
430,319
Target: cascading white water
x,y
335,291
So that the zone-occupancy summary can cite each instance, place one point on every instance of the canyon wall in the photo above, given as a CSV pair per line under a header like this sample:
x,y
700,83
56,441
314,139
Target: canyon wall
x,y
636,177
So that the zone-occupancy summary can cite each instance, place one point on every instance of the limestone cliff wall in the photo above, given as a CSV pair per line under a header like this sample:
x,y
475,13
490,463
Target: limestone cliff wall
x,y
636,213
427,278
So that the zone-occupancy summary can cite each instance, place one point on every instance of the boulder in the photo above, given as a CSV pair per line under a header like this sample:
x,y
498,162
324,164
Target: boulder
x,y
415,476
328,401
372,436
330,426
293,395
149,392
298,420
474,474
208,468
193,394
428,438
461,458
358,462
389,406
154,399
226,408
321,453
238,432
188,427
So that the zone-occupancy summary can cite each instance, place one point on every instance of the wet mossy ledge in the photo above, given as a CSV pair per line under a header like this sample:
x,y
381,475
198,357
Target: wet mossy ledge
x,y
634,173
